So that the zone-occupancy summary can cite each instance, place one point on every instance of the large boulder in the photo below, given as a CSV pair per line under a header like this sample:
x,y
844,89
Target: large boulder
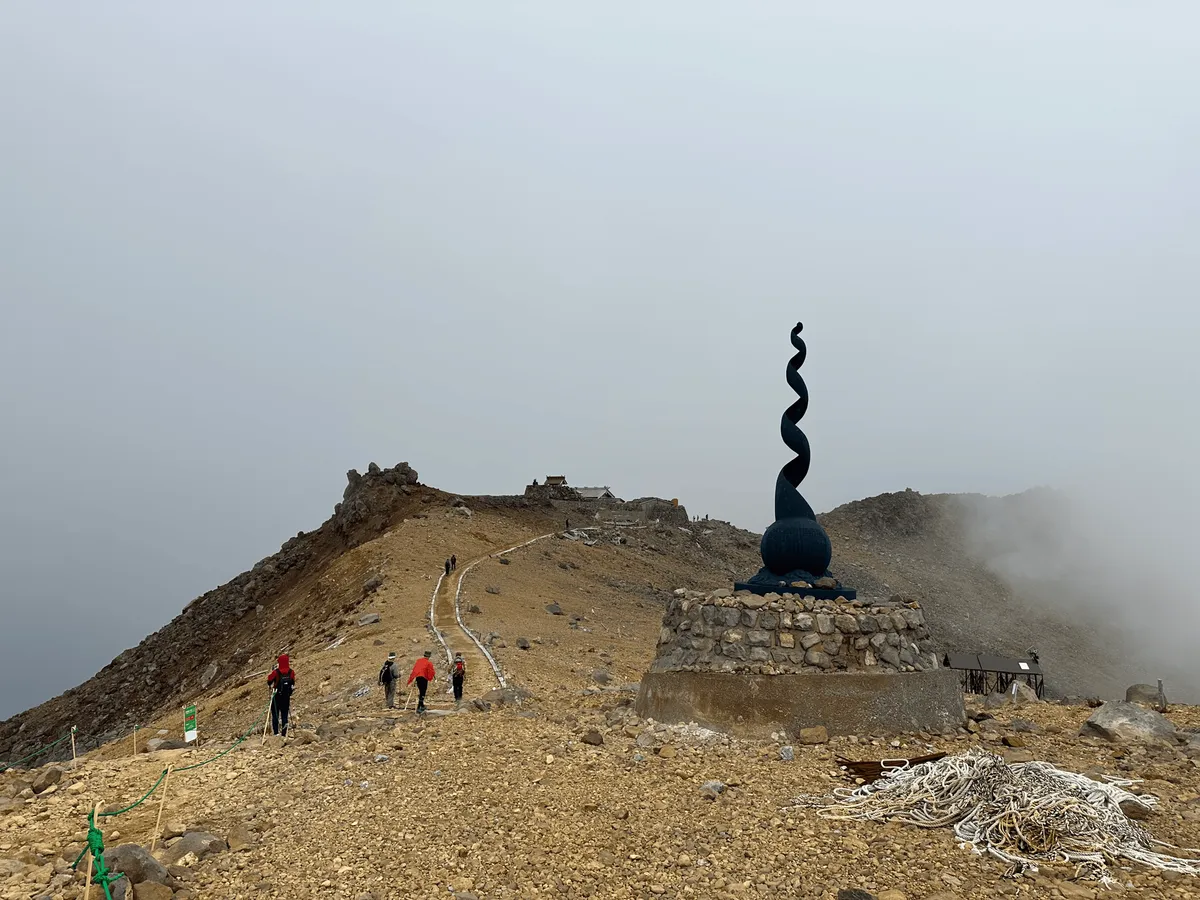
x,y
136,864
1144,695
1120,721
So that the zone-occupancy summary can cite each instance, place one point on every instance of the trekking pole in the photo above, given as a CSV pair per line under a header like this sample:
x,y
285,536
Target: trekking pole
x,y
408,699
267,718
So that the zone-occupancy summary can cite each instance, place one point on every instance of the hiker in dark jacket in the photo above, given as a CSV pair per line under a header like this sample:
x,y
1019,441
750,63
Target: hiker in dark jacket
x,y
283,680
447,567
388,676
453,562
458,676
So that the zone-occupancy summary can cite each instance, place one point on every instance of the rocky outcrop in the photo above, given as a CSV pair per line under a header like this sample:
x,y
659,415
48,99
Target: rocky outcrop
x,y
370,501
790,633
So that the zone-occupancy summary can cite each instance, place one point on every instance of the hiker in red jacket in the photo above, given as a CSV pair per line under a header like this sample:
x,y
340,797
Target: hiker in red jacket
x,y
422,673
283,680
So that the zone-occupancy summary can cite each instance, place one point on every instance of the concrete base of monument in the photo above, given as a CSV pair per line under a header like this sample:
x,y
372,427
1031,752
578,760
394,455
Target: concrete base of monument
x,y
753,706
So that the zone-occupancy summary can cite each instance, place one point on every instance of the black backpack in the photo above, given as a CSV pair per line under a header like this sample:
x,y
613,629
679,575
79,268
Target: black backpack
x,y
388,673
284,682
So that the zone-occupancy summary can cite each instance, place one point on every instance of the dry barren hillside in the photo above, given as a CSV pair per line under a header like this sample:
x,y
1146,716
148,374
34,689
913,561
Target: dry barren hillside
x,y
383,547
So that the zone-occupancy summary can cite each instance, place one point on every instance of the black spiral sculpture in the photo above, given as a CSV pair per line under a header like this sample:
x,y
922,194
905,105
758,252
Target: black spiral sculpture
x,y
795,549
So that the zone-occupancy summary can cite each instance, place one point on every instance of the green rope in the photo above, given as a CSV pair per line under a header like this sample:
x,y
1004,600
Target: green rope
x,y
140,802
35,753
95,844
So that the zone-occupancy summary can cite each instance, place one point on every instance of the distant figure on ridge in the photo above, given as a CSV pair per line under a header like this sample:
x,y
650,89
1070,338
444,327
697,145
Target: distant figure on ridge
x,y
453,562
458,676
283,680
388,676
447,567
422,673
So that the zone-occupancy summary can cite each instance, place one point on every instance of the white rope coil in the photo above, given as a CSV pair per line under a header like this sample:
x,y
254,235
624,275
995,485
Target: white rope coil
x,y
1022,814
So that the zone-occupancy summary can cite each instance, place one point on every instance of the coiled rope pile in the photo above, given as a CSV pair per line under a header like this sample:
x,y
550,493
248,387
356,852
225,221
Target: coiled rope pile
x,y
1022,814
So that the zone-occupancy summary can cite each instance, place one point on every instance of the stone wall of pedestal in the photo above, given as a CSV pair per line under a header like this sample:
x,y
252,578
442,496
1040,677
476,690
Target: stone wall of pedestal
x,y
783,634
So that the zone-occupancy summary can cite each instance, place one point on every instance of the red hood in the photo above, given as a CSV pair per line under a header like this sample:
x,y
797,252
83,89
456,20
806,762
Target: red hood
x,y
282,662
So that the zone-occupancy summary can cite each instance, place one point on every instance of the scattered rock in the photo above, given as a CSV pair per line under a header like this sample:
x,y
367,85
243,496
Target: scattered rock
x,y
600,676
1012,757
200,844
1121,721
554,609
173,830
372,584
854,894
240,838
1012,740
505,561
891,895
1135,810
150,890
46,778
817,734
666,751
712,789
155,744
522,643
370,619
492,589
594,738
474,608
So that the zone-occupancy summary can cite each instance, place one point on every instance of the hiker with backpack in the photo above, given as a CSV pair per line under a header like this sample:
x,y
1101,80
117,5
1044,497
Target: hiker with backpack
x,y
458,676
422,673
453,562
283,681
447,567
388,676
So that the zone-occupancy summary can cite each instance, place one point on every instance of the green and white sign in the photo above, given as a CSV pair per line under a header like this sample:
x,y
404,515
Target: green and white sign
x,y
189,723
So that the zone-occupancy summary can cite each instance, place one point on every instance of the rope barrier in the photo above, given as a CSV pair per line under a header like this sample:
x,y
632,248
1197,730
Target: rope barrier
x,y
35,753
95,838
1021,814
249,731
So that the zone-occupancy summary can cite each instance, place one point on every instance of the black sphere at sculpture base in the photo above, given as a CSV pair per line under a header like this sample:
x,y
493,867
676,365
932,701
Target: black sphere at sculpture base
x,y
792,545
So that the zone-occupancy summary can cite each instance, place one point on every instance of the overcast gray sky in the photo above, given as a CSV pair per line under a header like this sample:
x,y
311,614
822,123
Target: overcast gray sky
x,y
245,247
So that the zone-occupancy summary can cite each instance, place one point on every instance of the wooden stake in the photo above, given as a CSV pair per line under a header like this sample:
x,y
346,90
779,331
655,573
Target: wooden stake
x,y
161,803
87,891
135,731
74,758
